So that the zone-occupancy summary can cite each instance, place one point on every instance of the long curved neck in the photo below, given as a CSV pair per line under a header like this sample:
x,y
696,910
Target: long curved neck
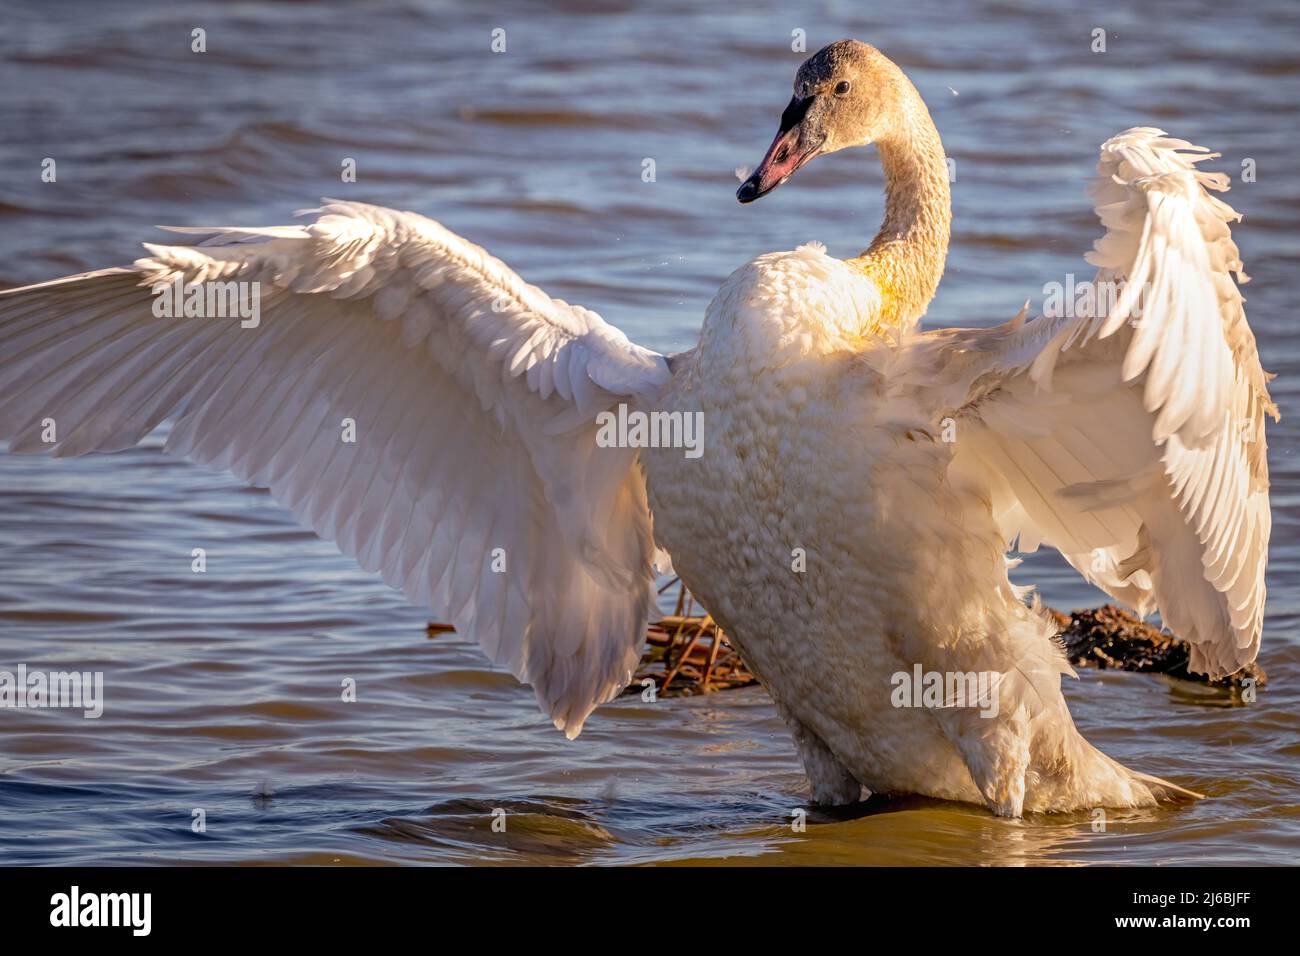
x,y
906,258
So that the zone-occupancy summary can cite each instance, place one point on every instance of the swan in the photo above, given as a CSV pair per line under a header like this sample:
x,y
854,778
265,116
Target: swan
x,y
859,483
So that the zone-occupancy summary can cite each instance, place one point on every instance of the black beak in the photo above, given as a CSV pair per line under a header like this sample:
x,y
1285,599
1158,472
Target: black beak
x,y
783,156
748,190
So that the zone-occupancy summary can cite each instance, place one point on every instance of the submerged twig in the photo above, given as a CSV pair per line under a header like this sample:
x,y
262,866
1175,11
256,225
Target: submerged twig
x,y
689,654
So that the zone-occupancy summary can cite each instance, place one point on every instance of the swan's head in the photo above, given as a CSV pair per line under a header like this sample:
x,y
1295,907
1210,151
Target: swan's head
x,y
845,94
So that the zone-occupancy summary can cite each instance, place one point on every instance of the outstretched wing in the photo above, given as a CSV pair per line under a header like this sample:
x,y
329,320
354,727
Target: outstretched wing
x,y
474,482
1130,438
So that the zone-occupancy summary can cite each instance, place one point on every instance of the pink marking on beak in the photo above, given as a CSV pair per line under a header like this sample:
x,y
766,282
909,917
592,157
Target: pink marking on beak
x,y
779,163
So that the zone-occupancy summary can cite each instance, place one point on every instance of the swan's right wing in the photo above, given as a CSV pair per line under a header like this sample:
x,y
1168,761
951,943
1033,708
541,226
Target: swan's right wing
x,y
474,481
1130,438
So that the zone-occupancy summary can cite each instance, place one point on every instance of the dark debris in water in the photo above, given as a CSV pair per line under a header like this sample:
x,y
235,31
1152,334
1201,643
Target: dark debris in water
x,y
687,652
1110,638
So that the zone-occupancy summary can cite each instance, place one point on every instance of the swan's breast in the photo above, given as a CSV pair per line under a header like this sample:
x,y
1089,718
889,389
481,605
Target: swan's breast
x,y
784,307
787,399
778,383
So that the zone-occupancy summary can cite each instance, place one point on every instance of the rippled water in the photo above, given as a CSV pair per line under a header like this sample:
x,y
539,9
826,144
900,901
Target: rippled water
x,y
223,689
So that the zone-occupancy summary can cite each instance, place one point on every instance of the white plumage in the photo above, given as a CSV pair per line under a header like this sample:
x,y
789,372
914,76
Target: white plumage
x,y
1135,450
474,397
904,464
1133,443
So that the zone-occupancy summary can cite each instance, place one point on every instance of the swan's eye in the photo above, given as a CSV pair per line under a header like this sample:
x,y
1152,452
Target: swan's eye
x,y
841,87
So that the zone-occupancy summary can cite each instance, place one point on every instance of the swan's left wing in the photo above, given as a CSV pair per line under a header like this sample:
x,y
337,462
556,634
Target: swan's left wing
x,y
1130,438
407,395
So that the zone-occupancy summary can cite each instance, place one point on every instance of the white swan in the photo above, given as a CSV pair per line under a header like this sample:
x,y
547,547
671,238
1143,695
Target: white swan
x,y
832,525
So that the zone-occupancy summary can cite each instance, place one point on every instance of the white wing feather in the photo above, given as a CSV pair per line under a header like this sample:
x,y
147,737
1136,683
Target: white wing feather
x,y
1132,439
474,396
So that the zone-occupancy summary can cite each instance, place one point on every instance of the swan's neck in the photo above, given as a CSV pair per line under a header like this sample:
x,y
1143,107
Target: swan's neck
x,y
906,258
